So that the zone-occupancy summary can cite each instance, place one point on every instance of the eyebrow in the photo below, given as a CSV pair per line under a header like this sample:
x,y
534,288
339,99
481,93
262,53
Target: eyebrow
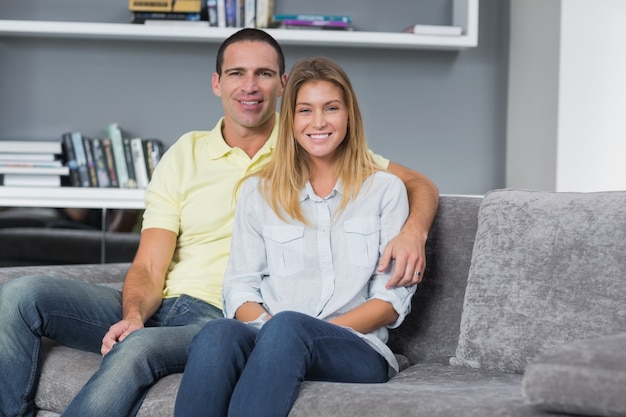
x,y
305,103
244,69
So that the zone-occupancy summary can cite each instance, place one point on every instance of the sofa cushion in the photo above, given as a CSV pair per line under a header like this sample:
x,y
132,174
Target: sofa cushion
x,y
584,378
547,268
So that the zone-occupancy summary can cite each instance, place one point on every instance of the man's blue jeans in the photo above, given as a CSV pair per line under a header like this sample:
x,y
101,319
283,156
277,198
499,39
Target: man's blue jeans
x,y
236,370
78,314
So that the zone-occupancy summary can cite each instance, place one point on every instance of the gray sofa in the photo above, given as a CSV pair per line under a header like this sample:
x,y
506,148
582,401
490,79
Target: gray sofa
x,y
522,312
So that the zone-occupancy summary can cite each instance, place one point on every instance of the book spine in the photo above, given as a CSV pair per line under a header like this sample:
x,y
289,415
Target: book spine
x,y
313,17
139,162
231,13
91,165
221,13
264,12
31,180
70,159
128,154
316,23
141,17
249,14
121,168
109,158
100,162
81,159
147,155
211,6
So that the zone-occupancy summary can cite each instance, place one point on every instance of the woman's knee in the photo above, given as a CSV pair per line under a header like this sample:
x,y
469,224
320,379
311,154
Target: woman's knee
x,y
223,332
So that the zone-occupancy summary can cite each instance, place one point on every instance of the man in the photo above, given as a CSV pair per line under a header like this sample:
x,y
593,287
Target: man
x,y
174,283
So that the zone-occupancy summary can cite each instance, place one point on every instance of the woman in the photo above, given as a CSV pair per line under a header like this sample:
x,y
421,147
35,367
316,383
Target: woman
x,y
301,283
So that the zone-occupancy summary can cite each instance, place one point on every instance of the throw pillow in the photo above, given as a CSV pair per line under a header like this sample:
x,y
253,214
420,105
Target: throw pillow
x,y
583,378
547,269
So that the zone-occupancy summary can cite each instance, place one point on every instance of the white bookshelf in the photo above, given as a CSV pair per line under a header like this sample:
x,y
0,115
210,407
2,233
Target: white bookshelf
x,y
465,15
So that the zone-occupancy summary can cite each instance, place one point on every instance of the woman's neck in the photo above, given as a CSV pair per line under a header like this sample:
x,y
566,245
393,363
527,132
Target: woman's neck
x,y
323,179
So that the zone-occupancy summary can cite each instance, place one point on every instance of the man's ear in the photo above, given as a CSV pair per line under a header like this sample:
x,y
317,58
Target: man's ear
x,y
283,83
215,84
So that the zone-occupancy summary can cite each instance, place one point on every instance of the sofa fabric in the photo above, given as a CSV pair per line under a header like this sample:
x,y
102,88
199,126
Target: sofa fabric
x,y
560,380
547,269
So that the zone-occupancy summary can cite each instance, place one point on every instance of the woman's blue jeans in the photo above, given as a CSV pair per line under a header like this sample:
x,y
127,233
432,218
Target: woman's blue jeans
x,y
237,370
78,314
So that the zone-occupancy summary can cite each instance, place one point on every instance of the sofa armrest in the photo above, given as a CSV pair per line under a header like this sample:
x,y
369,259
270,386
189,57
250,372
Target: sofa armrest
x,y
97,273
586,377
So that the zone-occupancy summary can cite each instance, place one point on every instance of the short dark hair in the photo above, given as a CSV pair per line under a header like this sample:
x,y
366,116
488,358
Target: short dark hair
x,y
250,34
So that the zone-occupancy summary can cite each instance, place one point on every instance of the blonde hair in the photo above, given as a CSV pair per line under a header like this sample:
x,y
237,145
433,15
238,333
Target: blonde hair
x,y
287,172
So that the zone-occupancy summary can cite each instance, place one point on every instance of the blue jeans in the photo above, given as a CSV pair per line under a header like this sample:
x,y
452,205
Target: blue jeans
x,y
237,370
78,314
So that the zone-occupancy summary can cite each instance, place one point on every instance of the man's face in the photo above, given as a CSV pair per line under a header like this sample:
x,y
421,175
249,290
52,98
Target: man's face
x,y
250,84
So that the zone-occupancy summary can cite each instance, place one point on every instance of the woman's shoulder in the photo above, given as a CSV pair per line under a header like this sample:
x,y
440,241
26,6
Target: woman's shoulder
x,y
385,177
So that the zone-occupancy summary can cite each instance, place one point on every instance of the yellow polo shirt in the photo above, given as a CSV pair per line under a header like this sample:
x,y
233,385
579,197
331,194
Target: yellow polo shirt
x,y
191,194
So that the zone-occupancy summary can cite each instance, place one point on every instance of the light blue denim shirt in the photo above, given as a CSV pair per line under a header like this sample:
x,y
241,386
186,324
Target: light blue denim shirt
x,y
324,270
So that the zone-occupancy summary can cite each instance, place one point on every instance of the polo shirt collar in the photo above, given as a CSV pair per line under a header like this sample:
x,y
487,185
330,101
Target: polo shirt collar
x,y
218,147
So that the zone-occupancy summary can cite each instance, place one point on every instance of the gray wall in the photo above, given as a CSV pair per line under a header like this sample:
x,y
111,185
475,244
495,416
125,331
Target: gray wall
x,y
440,112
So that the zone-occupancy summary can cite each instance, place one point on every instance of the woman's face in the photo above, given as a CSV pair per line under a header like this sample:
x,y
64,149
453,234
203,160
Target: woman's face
x,y
320,119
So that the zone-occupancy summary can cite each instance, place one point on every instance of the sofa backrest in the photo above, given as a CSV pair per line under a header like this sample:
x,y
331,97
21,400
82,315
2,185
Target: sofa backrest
x,y
547,269
430,333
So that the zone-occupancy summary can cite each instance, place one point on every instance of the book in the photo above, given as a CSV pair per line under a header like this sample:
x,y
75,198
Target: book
x,y
221,13
312,17
139,162
100,164
81,159
69,157
264,13
211,6
132,179
31,146
31,180
165,6
142,17
437,30
91,165
39,168
310,24
152,151
30,157
115,134
249,13
109,159
230,10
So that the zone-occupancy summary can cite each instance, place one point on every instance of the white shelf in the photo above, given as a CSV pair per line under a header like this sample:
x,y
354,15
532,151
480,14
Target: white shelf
x,y
59,197
465,14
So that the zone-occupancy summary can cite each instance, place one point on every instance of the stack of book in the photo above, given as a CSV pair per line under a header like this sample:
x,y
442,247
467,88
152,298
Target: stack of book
x,y
110,161
312,21
30,163
169,12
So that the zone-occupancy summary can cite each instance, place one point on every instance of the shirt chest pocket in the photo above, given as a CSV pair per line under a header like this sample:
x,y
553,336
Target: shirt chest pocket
x,y
363,239
284,246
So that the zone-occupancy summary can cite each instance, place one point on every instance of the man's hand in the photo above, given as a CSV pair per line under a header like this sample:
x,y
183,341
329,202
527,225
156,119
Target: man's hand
x,y
118,332
409,252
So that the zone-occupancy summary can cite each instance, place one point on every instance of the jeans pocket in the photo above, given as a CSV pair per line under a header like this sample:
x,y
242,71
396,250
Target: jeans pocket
x,y
363,238
285,249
